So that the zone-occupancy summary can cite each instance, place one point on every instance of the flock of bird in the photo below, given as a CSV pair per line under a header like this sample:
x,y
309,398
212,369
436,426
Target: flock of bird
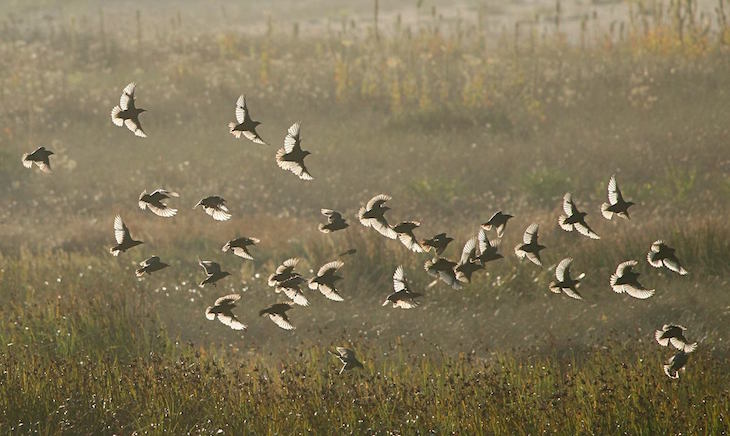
x,y
476,253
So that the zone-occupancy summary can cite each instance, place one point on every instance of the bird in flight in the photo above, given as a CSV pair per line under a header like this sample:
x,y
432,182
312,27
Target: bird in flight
x,y
662,255
239,247
326,279
405,234
335,221
373,215
575,219
222,309
244,126
616,203
497,221
286,280
150,265
530,248
625,279
402,296
277,314
676,363
487,250
123,238
215,206
442,269
127,114
565,283
347,357
39,157
291,156
155,202
674,334
213,272
438,243
469,262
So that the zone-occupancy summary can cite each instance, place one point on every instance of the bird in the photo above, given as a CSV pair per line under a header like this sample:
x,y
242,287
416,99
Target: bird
x,y
213,272
438,243
39,157
498,221
347,252
565,283
406,236
127,114
530,248
277,314
291,156
222,309
674,334
402,296
574,219
442,269
326,279
625,279
487,250
616,203
661,254
675,364
335,221
239,246
124,239
347,357
286,280
283,272
150,265
155,202
469,262
245,126
215,206
373,215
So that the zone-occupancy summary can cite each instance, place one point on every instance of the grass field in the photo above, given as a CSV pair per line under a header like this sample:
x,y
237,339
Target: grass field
x,y
453,118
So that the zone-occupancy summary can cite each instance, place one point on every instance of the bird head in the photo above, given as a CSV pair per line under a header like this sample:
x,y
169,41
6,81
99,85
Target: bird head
x,y
306,153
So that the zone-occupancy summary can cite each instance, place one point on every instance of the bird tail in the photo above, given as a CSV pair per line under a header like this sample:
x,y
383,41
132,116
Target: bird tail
x,y
139,272
605,212
667,371
323,229
114,251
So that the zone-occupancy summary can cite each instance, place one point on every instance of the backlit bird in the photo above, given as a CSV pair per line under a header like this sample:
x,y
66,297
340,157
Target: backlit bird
x,y
348,359
212,271
676,363
402,296
373,215
277,314
616,203
244,126
215,206
530,248
326,279
39,157
239,246
223,310
155,202
661,254
127,114
123,237
565,283
286,280
406,236
625,279
150,265
674,334
486,249
291,156
574,219
438,243
335,221
497,221
469,262
442,269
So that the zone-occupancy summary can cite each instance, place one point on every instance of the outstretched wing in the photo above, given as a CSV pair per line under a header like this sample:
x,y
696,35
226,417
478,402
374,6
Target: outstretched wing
x,y
614,193
330,267
210,267
292,140
126,101
585,230
241,109
568,205
399,279
121,232
227,300
530,235
563,269
378,200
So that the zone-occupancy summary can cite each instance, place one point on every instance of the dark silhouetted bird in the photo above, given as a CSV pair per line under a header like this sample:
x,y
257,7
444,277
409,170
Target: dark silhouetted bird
x,y
487,250
469,262
530,248
124,239
283,272
575,219
403,297
222,309
286,280
213,272
155,202
616,203
498,221
627,280
215,206
373,215
39,157
675,364
662,254
239,247
442,269
406,236
127,114
348,252
674,334
335,221
565,283
277,314
347,357
291,156
438,243
245,126
148,266
326,279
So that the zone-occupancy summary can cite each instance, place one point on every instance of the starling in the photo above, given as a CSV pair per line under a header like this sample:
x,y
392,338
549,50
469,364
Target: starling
x,y
406,236
277,314
438,243
283,271
487,249
215,206
39,157
662,254
565,283
150,265
348,359
222,309
675,364
616,203
155,202
498,221
402,297
326,279
126,114
124,239
286,280
213,272
335,221
245,126
674,334
373,215
575,219
442,269
291,156
625,279
469,262
239,247
530,248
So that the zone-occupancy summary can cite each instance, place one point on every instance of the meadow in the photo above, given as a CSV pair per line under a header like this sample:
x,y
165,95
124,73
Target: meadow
x,y
454,118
